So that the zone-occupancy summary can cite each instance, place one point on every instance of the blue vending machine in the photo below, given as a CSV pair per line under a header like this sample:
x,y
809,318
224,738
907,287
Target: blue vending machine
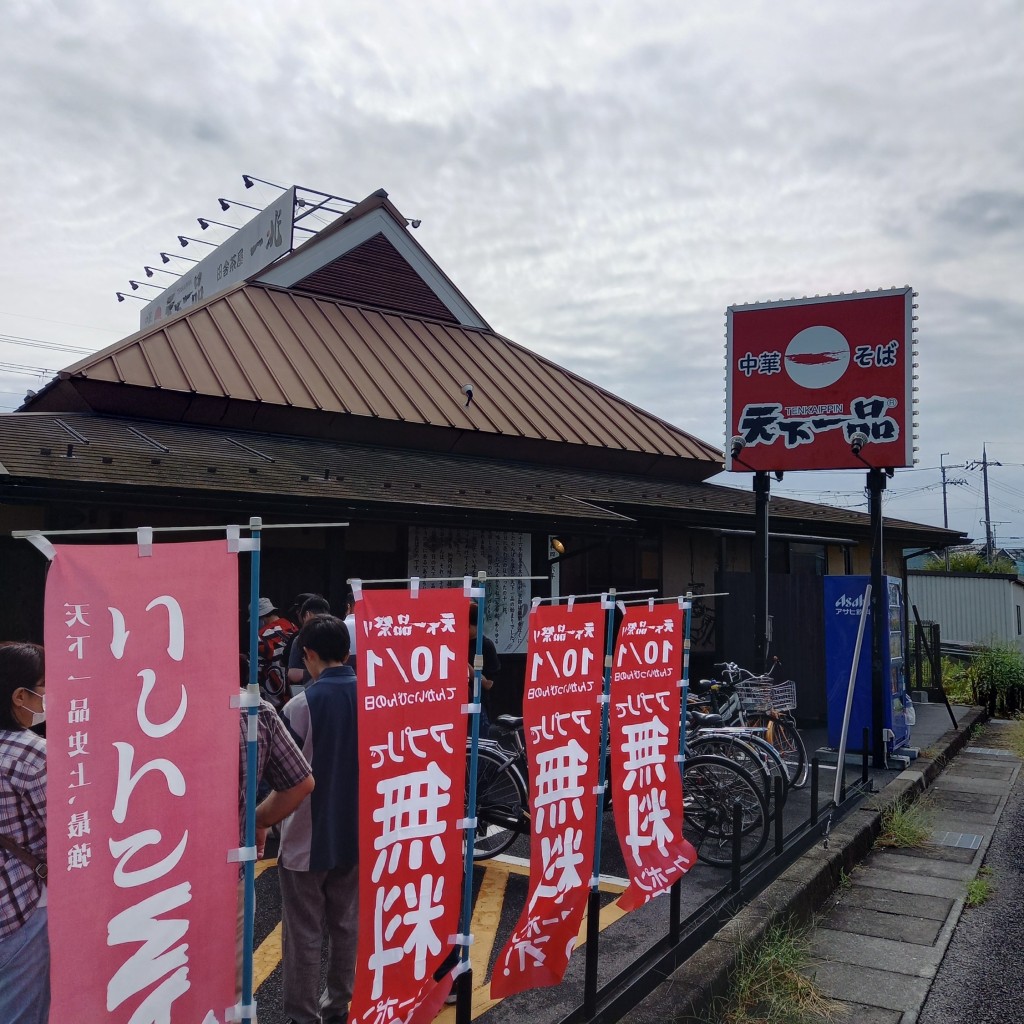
x,y
844,597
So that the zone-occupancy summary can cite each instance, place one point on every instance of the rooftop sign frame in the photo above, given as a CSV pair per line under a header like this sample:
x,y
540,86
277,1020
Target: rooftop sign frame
x,y
251,249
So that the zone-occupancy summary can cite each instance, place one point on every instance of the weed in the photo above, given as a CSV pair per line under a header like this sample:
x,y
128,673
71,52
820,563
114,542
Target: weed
x,y
845,881
906,823
769,986
980,889
1017,737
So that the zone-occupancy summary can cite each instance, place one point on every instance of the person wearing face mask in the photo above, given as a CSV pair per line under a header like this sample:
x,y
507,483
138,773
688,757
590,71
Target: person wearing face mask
x,y
24,947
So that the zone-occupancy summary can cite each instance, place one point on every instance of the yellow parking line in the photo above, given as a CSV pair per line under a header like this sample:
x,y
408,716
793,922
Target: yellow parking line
x,y
486,918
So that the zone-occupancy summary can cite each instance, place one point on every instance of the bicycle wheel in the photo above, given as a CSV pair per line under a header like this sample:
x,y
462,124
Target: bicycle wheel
x,y
711,786
781,732
749,752
502,807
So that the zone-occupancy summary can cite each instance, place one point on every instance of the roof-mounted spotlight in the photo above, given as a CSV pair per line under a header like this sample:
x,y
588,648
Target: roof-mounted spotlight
x,y
205,222
185,239
121,296
414,223
150,271
226,204
166,257
249,180
857,442
736,445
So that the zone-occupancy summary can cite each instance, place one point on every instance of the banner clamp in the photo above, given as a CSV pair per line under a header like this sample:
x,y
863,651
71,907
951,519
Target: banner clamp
x,y
245,700
414,587
241,854
241,1011
145,538
237,543
465,823
42,544
461,940
471,709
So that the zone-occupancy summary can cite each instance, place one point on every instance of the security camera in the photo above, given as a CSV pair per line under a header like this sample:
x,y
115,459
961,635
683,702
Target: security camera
x,y
857,441
736,445
467,390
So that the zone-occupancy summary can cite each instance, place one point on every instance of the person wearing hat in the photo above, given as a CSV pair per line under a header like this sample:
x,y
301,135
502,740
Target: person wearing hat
x,y
273,633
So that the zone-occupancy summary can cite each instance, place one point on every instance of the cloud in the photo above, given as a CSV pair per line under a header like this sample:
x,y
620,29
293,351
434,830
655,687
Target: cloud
x,y
602,181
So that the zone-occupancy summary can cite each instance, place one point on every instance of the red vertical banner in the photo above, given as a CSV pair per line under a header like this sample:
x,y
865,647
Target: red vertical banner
x,y
142,781
562,722
647,792
413,670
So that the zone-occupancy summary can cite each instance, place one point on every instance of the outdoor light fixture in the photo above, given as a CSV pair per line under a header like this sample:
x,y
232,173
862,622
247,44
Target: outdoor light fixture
x,y
857,442
557,545
205,222
226,204
414,223
150,271
135,285
248,180
185,239
736,445
121,296
166,258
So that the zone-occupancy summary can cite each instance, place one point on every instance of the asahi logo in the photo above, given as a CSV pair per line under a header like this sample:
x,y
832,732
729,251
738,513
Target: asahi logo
x,y
849,605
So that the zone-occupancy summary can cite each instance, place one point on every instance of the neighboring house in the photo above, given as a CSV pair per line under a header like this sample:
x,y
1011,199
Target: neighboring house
x,y
970,608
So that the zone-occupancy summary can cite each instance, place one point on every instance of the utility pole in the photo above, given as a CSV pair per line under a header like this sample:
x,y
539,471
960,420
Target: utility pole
x,y
988,514
945,509
984,464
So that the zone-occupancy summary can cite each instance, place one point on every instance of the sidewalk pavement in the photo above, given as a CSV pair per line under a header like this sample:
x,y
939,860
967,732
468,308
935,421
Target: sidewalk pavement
x,y
882,937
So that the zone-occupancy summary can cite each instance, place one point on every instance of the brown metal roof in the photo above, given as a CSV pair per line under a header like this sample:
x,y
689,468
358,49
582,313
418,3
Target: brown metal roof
x,y
256,349
80,452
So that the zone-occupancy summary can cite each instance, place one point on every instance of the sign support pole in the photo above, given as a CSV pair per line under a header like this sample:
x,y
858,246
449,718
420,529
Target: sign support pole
x,y
762,486
879,628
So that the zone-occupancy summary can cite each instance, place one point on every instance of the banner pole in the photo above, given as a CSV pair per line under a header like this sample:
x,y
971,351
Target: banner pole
x,y
594,899
249,910
675,893
464,994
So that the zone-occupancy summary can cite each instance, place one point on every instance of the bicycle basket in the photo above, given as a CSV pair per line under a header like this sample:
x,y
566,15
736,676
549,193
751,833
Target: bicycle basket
x,y
766,695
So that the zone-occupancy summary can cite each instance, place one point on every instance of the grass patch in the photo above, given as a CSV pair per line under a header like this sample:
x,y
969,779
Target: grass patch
x,y
980,889
906,824
1017,737
769,987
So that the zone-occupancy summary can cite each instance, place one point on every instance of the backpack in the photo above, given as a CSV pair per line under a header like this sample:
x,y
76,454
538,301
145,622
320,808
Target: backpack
x,y
272,669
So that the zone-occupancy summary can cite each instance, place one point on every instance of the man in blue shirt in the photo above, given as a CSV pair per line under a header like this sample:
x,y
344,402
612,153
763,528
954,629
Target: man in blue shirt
x,y
319,852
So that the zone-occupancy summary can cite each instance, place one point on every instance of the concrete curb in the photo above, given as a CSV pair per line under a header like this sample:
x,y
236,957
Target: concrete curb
x,y
689,995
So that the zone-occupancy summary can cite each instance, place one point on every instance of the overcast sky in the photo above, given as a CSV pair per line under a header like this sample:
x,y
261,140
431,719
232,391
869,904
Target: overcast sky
x,y
601,180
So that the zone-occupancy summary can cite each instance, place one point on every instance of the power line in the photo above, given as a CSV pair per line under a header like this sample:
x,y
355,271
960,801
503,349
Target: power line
x,y
52,346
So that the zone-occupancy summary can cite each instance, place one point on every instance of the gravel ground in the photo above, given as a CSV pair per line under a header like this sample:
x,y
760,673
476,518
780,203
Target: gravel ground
x,y
981,977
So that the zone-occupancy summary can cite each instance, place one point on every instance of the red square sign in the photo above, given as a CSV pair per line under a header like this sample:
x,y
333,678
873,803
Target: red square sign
x,y
810,380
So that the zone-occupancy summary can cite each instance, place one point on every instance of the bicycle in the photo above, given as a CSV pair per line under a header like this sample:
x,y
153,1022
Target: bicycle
x,y
502,799
747,746
760,702
711,785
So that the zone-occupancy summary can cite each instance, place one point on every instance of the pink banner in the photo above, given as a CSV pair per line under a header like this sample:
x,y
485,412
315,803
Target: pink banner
x,y
647,790
562,720
142,787
413,670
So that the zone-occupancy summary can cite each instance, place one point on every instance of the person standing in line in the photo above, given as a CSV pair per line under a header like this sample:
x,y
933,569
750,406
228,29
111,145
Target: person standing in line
x,y
24,944
298,677
273,634
318,858
491,667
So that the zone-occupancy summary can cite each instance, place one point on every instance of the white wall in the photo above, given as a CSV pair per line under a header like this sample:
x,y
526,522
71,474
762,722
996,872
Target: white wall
x,y
970,608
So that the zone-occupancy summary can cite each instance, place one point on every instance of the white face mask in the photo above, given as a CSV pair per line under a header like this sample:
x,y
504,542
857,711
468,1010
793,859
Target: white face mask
x,y
38,717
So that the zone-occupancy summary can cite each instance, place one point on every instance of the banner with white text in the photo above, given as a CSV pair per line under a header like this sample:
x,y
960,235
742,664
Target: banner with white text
x,y
562,722
142,786
647,792
413,671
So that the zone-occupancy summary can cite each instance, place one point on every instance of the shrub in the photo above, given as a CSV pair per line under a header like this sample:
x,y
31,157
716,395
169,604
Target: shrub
x,y
997,678
971,561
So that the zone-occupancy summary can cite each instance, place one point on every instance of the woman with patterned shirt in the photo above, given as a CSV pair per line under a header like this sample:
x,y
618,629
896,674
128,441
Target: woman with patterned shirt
x,y
24,948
